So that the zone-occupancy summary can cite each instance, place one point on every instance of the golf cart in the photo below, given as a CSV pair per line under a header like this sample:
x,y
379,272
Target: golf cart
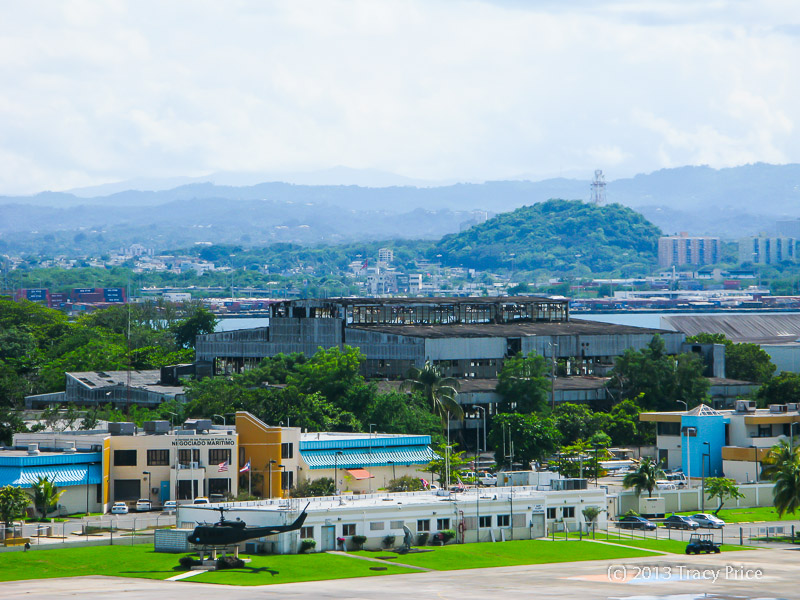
x,y
702,542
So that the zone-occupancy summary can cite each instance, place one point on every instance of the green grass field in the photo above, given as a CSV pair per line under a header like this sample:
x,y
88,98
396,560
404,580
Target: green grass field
x,y
665,545
506,554
142,561
750,515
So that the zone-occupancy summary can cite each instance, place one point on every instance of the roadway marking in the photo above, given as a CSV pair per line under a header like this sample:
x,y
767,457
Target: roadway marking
x,y
378,560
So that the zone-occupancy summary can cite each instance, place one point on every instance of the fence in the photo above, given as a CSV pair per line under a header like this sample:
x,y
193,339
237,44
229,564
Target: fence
x,y
105,530
749,535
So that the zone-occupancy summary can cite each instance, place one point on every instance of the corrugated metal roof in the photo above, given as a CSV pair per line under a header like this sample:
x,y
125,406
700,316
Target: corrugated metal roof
x,y
756,329
61,475
354,459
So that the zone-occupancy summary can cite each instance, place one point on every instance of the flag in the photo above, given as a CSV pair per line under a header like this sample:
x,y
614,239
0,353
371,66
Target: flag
x,y
365,265
223,466
425,483
245,468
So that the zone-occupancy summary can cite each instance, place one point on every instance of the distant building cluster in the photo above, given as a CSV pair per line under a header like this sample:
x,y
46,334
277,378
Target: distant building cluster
x,y
75,299
767,250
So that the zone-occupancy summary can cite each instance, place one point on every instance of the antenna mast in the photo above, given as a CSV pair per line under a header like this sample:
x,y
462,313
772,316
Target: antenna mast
x,y
598,188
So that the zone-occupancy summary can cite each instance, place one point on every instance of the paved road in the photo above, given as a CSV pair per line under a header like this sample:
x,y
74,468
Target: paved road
x,y
763,574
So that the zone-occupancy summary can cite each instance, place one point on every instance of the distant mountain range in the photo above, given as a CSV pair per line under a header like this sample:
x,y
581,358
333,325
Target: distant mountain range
x,y
727,202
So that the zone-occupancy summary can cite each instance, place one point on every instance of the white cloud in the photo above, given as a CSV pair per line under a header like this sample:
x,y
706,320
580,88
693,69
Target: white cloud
x,y
430,89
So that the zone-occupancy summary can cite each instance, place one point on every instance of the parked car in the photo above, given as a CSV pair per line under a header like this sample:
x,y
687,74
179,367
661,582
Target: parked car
x,y
680,522
143,505
170,505
702,542
482,478
708,521
119,508
201,500
636,522
663,484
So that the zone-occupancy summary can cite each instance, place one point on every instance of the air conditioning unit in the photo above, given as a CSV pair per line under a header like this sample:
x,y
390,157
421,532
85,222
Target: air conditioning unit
x,y
791,406
194,465
745,406
778,408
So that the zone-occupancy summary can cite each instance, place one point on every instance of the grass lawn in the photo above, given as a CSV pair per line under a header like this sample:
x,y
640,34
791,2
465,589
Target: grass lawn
x,y
665,545
122,561
505,554
750,515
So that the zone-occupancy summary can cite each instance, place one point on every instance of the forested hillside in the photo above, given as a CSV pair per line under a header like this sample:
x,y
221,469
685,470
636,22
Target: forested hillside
x,y
557,236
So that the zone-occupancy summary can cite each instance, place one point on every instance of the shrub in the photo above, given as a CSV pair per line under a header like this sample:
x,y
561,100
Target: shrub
x,y
229,562
187,562
406,483
359,541
388,541
306,545
324,486
447,535
422,539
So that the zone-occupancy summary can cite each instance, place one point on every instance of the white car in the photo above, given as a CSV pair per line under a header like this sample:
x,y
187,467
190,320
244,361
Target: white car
x,y
143,505
708,521
201,500
170,505
119,508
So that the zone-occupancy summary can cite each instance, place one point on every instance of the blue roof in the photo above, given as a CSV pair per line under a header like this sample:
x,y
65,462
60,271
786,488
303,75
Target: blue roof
x,y
361,457
61,469
366,441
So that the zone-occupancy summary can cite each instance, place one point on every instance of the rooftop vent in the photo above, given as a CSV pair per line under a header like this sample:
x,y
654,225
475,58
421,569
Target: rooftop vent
x,y
745,406
33,449
198,424
121,428
791,406
156,427
70,449
778,408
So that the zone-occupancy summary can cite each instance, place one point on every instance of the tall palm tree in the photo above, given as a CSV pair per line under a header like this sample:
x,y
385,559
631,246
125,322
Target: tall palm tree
x,y
786,493
644,477
45,495
440,391
777,456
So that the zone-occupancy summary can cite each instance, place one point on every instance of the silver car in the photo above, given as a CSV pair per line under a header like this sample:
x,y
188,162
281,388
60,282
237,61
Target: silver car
x,y
708,521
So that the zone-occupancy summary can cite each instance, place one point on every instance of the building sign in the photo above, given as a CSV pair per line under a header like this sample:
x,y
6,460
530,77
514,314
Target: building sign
x,y
210,441
537,509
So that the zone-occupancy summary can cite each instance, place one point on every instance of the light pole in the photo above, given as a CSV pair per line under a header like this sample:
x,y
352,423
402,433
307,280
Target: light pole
x,y
172,414
791,438
394,475
269,472
755,463
688,475
223,419
369,481
483,411
148,485
553,347
283,478
703,474
336,471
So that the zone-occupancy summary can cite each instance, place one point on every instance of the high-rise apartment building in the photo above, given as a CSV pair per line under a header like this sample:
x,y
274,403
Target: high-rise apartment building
x,y
687,250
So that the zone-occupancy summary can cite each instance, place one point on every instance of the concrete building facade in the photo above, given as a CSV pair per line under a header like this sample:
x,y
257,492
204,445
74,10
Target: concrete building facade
x,y
677,250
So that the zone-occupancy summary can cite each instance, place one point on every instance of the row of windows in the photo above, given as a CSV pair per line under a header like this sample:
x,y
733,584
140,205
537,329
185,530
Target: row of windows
x,y
567,512
161,458
424,525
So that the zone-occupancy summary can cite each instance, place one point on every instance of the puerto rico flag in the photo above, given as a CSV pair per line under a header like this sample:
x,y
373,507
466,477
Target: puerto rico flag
x,y
223,466
245,468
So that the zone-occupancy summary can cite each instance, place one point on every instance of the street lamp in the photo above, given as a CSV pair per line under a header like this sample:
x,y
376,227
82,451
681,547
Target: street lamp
x,y
283,478
755,463
703,474
269,471
172,424
148,483
223,419
689,431
336,471
369,481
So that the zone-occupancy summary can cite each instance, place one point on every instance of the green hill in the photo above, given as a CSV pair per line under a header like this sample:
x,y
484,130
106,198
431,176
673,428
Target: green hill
x,y
559,236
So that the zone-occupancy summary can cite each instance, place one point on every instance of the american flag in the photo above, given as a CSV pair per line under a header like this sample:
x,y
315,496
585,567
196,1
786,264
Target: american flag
x,y
223,466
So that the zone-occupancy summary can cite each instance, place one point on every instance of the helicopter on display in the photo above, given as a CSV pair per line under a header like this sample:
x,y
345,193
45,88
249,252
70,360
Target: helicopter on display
x,y
227,533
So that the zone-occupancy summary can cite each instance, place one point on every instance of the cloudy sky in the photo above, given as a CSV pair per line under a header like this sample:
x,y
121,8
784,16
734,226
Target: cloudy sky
x,y
437,90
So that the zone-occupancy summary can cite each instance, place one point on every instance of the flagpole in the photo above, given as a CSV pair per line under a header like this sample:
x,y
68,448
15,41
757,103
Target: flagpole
x,y
249,480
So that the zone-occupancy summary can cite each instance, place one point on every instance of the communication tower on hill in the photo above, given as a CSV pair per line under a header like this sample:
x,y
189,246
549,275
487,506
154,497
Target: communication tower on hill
x,y
598,188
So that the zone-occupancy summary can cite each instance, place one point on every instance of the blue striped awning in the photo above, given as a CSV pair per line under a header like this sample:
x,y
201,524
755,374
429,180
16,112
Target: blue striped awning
x,y
361,457
61,475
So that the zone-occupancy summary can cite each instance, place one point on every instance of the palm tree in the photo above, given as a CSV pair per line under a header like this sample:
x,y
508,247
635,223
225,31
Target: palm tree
x,y
440,391
777,456
45,495
644,477
786,493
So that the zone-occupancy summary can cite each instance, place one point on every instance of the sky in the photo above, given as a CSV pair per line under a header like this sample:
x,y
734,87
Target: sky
x,y
433,90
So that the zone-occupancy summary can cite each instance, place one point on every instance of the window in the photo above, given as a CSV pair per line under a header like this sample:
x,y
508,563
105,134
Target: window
x,y
568,512
423,525
188,455
396,524
306,533
218,456
242,461
551,513
503,520
765,431
124,458
669,428
349,529
485,521
185,489
219,486
377,526
287,480
287,450
157,458
127,489
442,524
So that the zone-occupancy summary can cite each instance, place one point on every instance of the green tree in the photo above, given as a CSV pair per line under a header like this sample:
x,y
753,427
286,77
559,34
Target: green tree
x,y
440,392
743,361
780,390
438,466
626,429
13,502
324,486
780,454
786,493
644,477
45,495
578,421
406,483
395,413
522,384
534,437
198,322
722,488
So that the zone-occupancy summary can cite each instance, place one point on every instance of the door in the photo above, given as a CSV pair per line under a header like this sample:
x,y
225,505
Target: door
x,y
328,537
164,492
